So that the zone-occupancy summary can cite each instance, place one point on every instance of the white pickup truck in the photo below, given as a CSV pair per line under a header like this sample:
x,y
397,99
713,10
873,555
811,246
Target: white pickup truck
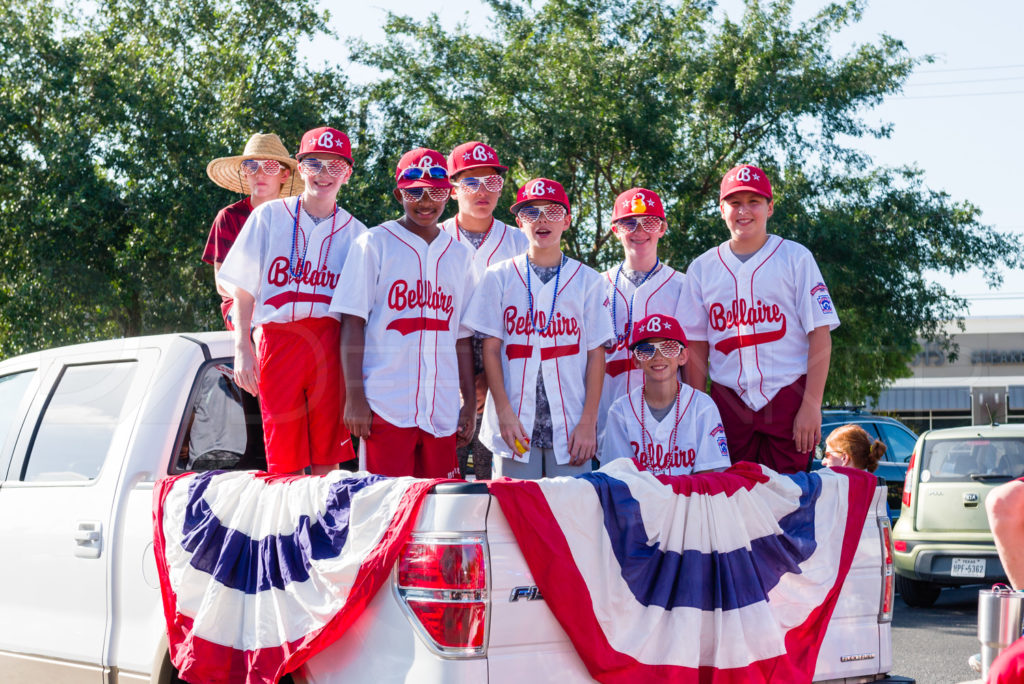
x,y
86,430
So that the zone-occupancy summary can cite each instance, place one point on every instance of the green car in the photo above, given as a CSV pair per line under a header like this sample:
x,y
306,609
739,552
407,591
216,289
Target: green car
x,y
942,537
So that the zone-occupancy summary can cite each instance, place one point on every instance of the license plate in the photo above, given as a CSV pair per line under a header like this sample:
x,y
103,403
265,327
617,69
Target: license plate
x,y
968,567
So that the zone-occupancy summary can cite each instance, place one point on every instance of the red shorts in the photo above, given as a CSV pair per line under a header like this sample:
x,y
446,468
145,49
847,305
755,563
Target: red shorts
x,y
301,394
398,451
764,436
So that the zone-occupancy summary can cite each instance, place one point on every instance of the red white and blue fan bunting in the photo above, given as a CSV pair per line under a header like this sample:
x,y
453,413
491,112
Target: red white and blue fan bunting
x,y
260,572
722,577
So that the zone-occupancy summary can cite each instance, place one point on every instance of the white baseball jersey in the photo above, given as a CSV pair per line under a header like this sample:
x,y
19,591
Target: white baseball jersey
x,y
502,242
756,315
500,308
662,293
289,280
413,297
694,443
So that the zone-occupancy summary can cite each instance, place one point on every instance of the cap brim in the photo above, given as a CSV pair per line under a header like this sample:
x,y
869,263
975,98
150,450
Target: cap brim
x,y
424,183
224,171
515,207
482,165
744,188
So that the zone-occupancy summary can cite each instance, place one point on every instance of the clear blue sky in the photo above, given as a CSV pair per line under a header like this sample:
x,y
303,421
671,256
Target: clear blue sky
x,y
958,119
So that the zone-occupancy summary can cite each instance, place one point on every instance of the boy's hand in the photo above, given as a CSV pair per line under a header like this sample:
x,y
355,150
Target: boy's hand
x,y
358,416
511,429
583,442
246,370
467,425
807,427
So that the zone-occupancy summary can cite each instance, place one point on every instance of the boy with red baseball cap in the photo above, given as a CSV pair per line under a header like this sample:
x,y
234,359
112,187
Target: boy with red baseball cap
x,y
407,356
546,320
264,171
669,428
639,286
282,271
759,318
478,177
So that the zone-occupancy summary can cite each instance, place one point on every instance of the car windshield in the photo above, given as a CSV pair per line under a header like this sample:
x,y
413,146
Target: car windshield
x,y
963,460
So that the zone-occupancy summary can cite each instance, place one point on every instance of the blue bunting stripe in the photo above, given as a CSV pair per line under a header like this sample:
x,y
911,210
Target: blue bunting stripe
x,y
240,562
708,581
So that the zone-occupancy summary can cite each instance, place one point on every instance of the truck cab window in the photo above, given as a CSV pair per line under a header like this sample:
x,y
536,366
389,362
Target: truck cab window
x,y
79,421
12,389
224,428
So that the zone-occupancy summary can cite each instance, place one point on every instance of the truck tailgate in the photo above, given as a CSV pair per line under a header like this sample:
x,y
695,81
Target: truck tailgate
x,y
525,637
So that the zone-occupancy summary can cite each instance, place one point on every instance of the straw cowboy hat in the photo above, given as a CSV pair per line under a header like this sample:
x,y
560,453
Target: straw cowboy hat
x,y
227,171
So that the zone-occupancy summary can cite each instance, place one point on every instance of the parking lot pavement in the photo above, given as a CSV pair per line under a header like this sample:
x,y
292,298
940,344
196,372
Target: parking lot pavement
x,y
932,645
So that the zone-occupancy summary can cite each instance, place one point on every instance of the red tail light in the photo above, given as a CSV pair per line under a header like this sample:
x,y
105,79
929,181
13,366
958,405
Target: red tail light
x,y
888,572
443,581
907,478
900,546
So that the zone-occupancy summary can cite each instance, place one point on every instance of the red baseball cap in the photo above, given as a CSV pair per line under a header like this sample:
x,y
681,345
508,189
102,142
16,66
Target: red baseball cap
x,y
657,325
422,168
638,202
473,155
541,189
325,139
745,177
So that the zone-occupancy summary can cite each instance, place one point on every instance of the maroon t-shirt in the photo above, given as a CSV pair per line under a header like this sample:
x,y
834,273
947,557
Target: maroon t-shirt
x,y
223,232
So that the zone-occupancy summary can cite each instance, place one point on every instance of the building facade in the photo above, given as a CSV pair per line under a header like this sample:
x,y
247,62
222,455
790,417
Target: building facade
x,y
984,384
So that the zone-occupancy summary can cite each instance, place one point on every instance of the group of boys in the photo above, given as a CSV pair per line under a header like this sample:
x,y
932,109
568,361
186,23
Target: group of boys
x,y
409,334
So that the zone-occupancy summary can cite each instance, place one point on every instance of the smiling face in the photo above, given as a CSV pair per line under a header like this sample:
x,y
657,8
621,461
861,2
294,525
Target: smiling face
x,y
746,214
423,212
544,233
659,368
322,186
639,246
479,204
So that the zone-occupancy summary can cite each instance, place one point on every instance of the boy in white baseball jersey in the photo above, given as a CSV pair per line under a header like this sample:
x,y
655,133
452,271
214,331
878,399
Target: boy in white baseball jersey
x,y
639,286
478,177
546,319
406,354
669,428
759,318
282,271
264,171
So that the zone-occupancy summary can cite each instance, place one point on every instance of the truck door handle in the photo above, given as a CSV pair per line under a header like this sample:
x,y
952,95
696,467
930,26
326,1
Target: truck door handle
x,y
88,539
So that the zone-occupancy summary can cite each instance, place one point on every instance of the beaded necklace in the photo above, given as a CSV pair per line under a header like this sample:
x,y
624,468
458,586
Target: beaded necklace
x,y
615,300
295,237
554,299
458,230
643,421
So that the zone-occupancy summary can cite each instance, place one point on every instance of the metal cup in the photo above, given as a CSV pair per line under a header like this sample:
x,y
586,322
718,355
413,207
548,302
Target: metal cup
x,y
1000,614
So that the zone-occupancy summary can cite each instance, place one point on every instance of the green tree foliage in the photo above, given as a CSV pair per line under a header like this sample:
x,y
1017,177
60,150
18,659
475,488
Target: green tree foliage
x,y
110,112
603,95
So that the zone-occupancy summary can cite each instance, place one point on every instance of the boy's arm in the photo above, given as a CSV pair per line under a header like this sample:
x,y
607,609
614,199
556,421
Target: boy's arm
x,y
358,416
508,422
807,424
583,440
247,371
697,364
467,416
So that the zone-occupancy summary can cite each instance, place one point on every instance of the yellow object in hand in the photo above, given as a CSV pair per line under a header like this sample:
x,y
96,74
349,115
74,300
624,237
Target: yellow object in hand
x,y
520,447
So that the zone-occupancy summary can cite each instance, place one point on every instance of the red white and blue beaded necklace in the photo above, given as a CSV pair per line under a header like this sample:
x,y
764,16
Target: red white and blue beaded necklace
x,y
554,299
615,300
301,264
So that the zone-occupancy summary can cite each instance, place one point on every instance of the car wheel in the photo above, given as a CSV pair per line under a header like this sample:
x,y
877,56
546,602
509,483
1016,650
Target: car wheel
x,y
917,594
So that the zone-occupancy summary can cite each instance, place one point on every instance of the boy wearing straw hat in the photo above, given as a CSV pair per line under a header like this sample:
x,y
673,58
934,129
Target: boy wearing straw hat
x,y
282,271
264,171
